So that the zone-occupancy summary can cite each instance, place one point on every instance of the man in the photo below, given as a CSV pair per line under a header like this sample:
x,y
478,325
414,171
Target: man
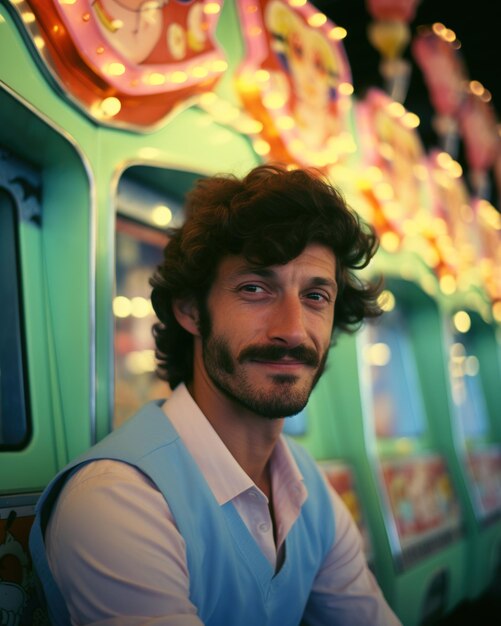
x,y
197,510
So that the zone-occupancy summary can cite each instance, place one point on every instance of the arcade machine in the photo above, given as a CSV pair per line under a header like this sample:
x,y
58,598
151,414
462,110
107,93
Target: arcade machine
x,y
475,374
471,337
417,517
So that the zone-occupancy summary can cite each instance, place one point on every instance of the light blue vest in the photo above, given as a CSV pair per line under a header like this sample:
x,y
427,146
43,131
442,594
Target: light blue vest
x,y
231,581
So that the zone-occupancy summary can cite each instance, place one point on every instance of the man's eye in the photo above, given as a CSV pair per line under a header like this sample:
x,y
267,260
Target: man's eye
x,y
317,296
251,289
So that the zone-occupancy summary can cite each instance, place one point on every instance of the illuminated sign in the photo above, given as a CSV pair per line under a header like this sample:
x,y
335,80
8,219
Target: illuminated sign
x,y
127,62
295,79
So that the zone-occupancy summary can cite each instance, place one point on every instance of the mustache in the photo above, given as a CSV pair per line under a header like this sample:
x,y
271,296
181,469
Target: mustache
x,y
308,356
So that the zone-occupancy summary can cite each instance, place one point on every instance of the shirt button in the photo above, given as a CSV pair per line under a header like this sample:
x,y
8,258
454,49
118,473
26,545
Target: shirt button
x,y
264,527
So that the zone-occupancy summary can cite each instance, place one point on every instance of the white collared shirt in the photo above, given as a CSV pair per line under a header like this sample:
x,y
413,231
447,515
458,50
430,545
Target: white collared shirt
x,y
118,558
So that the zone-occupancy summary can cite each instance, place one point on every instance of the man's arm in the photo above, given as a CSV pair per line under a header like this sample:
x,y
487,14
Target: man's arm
x,y
116,553
345,591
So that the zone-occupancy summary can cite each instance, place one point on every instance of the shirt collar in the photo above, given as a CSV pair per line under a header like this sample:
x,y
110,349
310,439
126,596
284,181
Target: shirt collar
x,y
223,474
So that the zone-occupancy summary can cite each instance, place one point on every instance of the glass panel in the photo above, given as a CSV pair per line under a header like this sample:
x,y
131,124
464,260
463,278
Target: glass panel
x,y
13,403
467,392
392,374
138,252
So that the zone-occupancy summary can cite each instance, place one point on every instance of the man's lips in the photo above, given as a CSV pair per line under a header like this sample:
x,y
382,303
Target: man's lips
x,y
280,365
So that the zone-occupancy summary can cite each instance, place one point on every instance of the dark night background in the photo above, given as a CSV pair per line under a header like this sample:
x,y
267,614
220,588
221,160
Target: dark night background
x,y
477,27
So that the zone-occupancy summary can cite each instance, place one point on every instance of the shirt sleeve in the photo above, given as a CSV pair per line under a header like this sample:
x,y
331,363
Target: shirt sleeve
x,y
345,590
128,565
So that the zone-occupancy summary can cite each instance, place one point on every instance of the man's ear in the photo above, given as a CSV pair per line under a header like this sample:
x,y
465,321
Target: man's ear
x,y
186,314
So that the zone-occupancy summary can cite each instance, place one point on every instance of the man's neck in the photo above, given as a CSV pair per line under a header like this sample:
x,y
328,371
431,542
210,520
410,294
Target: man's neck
x,y
250,438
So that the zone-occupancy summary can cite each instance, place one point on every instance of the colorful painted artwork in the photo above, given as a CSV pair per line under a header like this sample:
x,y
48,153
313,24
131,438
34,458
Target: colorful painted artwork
x,y
129,62
295,79
421,498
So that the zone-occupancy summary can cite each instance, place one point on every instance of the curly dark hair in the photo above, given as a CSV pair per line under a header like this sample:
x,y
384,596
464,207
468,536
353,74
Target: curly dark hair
x,y
269,217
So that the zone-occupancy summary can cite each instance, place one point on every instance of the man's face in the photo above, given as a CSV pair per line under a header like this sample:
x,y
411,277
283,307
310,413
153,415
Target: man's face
x,y
268,332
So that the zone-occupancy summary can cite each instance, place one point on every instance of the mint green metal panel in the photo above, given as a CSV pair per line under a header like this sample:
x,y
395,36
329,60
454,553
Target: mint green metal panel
x,y
55,259
411,587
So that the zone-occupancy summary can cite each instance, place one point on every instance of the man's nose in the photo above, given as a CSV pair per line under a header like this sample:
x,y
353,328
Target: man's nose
x,y
286,322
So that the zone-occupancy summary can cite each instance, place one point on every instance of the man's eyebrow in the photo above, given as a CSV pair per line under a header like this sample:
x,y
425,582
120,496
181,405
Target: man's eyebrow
x,y
258,270
268,272
320,281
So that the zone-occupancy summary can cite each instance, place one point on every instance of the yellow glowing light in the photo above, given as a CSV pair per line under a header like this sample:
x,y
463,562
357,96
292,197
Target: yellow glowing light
x,y
250,126
28,17
411,120
373,173
345,89
378,354
39,42
438,28
262,76
261,147
476,87
109,107
337,33
462,321
148,153
140,361
384,191
122,306
297,3
285,122
115,69
68,2
448,35
448,284
317,19
274,100
219,66
390,241
489,214
199,71
456,171
140,307
387,300
395,109
471,365
212,8
178,77
208,99
161,215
